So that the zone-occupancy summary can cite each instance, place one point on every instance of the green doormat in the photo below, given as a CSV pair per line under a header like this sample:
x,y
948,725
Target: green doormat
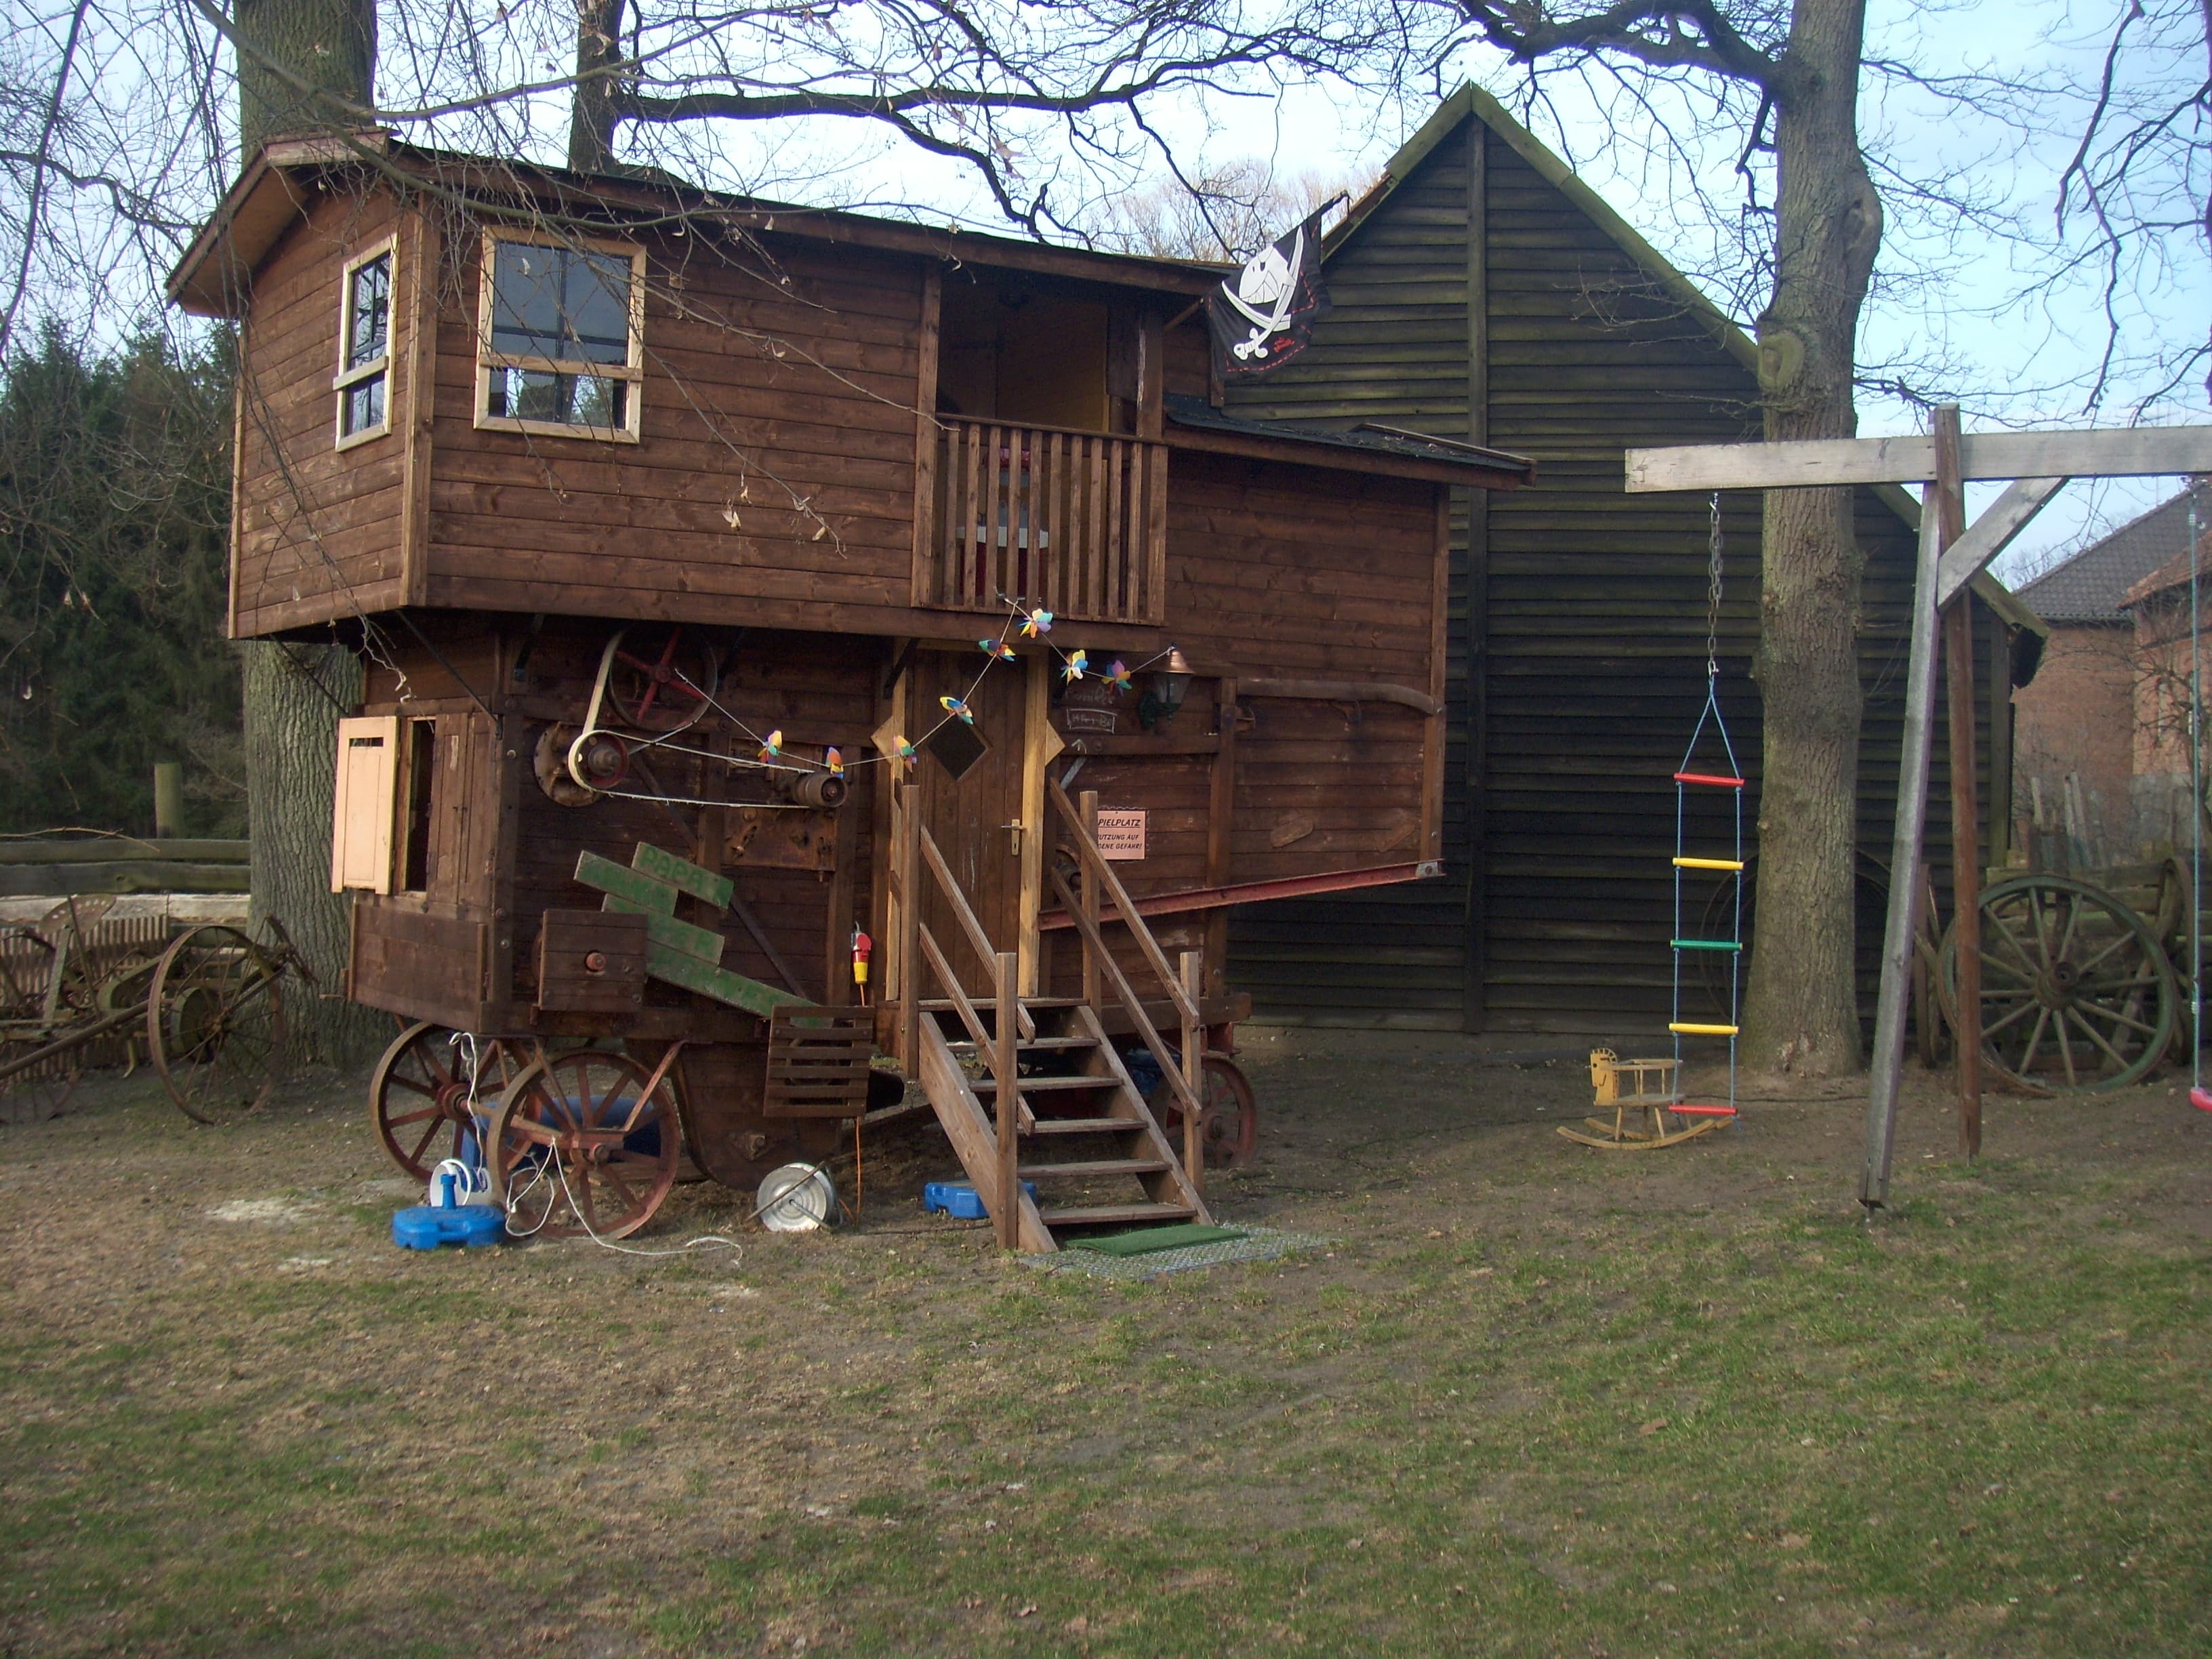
x,y
1147,1240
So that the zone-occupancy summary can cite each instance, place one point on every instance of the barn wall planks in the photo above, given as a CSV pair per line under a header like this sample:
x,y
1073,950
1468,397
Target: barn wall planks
x,y
1586,626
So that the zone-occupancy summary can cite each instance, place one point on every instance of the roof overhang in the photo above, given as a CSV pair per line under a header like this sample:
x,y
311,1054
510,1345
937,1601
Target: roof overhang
x,y
213,278
1388,452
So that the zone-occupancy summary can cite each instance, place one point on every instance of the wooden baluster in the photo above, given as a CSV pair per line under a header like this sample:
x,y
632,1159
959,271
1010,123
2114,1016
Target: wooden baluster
x,y
1007,1210
1033,549
1055,512
1091,988
1194,1065
908,806
1095,531
1117,528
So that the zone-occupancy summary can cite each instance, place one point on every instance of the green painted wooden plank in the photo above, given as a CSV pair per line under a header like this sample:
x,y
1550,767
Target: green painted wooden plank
x,y
686,876
701,944
646,896
719,983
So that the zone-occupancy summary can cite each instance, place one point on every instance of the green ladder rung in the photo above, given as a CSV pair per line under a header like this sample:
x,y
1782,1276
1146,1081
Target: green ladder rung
x,y
1706,945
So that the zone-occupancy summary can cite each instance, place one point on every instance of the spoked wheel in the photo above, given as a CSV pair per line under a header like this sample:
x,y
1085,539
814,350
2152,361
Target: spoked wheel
x,y
38,1095
579,1146
1228,1120
2078,995
422,1098
661,680
215,1023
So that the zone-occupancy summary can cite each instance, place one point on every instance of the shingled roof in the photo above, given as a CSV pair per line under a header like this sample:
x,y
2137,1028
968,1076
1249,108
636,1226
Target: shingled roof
x,y
2093,585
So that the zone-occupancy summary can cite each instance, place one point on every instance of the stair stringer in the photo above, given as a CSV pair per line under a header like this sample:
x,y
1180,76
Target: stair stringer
x,y
974,1137
1173,1184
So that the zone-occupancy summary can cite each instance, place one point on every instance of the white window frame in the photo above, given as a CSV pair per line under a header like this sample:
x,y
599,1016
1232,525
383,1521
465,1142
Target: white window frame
x,y
350,376
489,362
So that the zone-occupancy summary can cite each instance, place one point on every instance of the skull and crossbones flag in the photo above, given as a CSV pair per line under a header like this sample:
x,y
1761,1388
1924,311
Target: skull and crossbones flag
x,y
1263,314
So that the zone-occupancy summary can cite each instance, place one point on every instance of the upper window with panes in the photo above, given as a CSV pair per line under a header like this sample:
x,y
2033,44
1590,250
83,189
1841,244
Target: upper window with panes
x,y
364,377
561,346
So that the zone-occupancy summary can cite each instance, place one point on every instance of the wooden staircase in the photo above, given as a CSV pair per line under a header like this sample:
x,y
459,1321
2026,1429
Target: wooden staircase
x,y
1030,1089
1079,1123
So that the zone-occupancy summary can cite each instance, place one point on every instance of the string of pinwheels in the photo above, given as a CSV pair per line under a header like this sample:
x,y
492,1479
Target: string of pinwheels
x,y
1022,621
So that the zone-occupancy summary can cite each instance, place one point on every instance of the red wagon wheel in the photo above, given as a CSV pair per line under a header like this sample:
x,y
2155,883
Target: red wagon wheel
x,y
660,681
580,1144
1229,1118
215,1023
421,1098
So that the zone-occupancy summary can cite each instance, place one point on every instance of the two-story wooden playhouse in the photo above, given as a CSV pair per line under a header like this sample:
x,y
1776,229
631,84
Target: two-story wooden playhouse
x,y
735,579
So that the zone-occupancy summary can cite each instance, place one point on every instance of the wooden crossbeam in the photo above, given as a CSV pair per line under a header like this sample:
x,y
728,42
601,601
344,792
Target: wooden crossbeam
x,y
2112,453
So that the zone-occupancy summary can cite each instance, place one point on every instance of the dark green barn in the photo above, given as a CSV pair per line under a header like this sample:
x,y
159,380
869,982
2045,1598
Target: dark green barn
x,y
1483,292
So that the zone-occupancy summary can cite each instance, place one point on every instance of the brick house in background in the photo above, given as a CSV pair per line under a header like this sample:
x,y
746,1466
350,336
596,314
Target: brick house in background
x,y
2159,607
2076,729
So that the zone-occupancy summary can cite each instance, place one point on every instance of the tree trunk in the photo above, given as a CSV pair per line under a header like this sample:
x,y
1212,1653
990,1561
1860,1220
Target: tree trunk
x,y
597,103
291,726
1801,1013
330,43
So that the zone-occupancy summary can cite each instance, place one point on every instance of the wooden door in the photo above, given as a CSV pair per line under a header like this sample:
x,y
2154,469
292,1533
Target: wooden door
x,y
972,817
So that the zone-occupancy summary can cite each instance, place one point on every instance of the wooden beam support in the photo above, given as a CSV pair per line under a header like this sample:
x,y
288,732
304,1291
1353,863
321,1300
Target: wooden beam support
x,y
1950,507
1886,1065
1970,553
2111,453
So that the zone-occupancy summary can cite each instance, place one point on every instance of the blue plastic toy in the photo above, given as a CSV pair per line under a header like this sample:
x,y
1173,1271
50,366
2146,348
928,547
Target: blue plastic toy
x,y
426,1226
960,1200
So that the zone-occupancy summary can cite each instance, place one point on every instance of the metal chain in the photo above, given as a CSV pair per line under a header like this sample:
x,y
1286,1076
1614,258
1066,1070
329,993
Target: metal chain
x,y
1713,596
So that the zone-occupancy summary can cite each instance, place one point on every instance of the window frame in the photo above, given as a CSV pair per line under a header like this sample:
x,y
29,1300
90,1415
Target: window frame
x,y
350,376
489,362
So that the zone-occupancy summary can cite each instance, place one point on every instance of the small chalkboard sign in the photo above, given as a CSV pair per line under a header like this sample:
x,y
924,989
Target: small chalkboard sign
x,y
1122,834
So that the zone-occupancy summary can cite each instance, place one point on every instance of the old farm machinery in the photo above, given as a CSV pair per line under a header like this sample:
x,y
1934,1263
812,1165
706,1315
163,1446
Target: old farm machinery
x,y
204,1006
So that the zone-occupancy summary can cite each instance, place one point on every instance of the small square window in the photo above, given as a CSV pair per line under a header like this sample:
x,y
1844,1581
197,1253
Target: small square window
x,y
365,349
561,349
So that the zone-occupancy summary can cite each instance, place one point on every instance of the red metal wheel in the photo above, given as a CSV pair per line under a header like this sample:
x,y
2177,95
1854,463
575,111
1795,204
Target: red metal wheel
x,y
1228,1120
578,1146
660,681
422,1098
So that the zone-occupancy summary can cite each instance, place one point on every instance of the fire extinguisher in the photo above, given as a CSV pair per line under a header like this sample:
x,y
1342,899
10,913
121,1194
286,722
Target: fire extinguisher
x,y
862,946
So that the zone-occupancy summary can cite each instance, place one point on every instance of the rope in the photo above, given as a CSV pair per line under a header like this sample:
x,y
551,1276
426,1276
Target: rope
x,y
2195,818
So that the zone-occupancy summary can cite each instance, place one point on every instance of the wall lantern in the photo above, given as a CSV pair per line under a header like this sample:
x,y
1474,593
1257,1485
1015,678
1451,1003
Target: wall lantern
x,y
1170,681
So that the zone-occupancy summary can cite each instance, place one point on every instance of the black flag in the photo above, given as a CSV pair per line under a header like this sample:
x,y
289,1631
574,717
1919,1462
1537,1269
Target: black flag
x,y
1263,315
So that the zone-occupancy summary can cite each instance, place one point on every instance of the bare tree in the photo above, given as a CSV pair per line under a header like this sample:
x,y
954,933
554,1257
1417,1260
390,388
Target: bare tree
x,y
1223,213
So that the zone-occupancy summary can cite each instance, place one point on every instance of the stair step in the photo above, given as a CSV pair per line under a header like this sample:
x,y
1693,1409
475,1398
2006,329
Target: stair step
x,y
1030,1045
1097,1166
946,1005
1033,1085
1107,1215
1086,1126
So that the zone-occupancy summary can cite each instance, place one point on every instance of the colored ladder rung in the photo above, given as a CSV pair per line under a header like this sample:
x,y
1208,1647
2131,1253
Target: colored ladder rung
x,y
1709,864
1705,944
1702,1030
1712,778
1688,1110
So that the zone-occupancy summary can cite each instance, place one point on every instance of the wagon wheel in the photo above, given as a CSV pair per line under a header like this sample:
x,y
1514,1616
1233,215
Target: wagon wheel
x,y
40,1094
27,969
658,680
420,1094
1228,1114
577,1146
2077,996
124,989
215,1023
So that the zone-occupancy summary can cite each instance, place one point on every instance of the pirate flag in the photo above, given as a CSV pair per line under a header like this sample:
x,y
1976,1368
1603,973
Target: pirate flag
x,y
1263,315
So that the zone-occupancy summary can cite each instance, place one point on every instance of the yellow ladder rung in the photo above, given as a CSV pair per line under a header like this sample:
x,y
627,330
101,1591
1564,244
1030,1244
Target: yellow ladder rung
x,y
1709,864
1704,1031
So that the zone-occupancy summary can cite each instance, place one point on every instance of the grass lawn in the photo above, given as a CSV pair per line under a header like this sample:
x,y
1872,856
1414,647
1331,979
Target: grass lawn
x,y
1533,1400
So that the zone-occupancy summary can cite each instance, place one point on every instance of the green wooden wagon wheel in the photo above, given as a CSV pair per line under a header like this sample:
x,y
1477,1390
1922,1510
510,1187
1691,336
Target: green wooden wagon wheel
x,y
2078,995
579,1145
215,1023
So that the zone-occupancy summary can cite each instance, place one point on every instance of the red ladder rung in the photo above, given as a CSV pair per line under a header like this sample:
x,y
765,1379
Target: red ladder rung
x,y
1703,1111
1716,781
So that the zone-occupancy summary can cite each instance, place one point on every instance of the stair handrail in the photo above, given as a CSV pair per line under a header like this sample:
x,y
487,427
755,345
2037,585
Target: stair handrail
x,y
1090,852
978,940
1131,1004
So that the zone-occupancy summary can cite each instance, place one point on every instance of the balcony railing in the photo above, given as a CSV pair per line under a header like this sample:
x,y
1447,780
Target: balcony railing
x,y
1075,522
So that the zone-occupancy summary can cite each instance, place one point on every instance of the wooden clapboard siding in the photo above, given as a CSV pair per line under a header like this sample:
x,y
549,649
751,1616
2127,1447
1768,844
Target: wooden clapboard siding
x,y
315,527
1480,299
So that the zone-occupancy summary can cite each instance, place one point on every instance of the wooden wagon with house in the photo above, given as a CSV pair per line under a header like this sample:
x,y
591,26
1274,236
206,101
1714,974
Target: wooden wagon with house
x,y
734,582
